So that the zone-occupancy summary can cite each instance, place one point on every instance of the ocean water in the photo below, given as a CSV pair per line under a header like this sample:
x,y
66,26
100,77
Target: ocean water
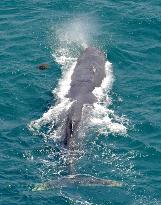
x,y
122,134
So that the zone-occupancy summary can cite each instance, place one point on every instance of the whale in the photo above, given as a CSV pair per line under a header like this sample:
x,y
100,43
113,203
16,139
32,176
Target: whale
x,y
89,73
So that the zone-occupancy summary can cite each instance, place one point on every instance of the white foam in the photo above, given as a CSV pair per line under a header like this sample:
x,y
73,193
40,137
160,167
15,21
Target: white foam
x,y
105,119
102,117
72,38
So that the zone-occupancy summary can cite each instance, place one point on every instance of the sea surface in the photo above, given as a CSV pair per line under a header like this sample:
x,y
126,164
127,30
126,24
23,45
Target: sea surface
x,y
122,136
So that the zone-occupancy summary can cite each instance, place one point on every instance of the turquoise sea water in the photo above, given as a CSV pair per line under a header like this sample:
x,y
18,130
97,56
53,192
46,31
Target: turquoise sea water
x,y
126,147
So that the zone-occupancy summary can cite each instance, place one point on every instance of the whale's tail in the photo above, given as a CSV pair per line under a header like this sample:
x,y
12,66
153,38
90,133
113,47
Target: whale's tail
x,y
77,180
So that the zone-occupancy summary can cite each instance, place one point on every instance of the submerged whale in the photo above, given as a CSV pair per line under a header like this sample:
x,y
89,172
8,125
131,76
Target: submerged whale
x,y
88,74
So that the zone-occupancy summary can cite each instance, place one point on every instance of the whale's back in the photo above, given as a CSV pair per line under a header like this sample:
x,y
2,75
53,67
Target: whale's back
x,y
88,74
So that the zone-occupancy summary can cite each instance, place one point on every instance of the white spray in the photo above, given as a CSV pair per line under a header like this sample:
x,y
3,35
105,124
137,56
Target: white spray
x,y
71,39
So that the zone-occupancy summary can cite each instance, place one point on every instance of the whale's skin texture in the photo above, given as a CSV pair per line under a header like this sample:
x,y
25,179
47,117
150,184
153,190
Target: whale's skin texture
x,y
88,74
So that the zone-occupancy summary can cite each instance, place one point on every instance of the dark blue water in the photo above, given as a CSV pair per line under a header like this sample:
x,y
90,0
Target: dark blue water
x,y
34,32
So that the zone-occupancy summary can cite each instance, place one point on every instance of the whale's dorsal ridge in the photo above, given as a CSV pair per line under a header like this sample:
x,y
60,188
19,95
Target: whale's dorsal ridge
x,y
88,74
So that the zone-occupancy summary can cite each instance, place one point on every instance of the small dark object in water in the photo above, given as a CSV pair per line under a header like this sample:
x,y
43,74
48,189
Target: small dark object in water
x,y
43,66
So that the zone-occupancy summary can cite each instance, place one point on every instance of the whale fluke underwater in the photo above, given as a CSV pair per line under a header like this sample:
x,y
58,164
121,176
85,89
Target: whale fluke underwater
x,y
78,180
89,72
